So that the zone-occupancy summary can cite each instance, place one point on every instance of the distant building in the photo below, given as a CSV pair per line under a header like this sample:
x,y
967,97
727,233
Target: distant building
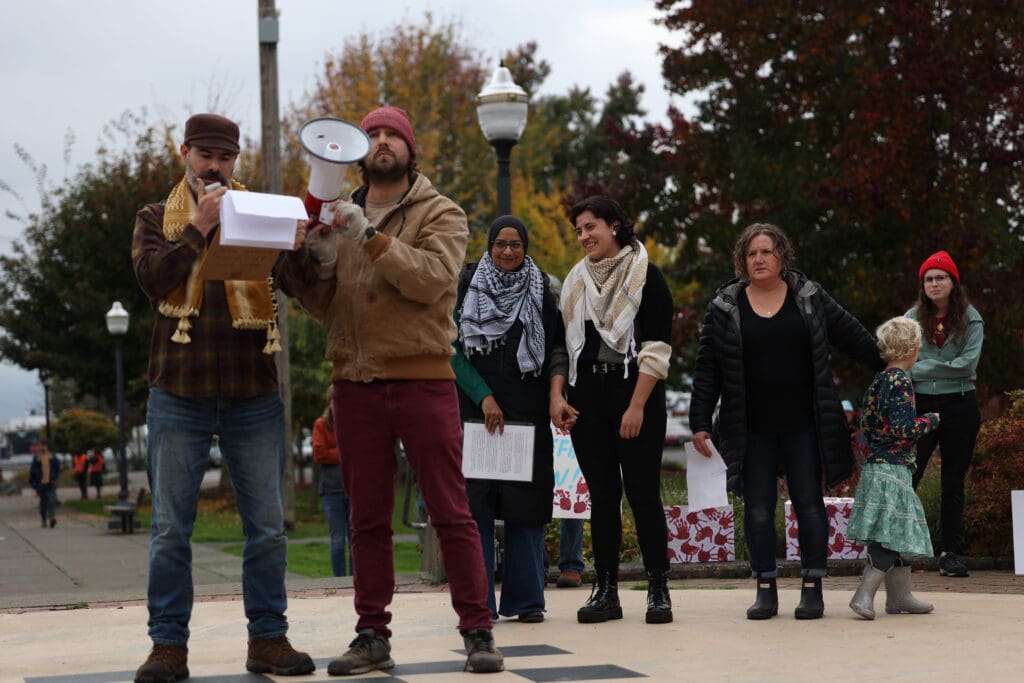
x,y
20,434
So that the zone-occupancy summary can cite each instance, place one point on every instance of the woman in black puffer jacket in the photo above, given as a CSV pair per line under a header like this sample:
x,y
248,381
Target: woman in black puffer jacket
x,y
764,350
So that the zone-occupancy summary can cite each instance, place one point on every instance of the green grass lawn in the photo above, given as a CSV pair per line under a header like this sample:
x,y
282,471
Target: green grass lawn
x,y
217,521
313,558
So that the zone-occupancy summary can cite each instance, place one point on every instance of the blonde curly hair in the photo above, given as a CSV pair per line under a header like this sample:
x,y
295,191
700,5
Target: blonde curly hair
x,y
898,338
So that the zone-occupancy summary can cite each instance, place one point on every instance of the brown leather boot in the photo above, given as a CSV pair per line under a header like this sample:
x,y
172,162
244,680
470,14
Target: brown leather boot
x,y
165,664
277,656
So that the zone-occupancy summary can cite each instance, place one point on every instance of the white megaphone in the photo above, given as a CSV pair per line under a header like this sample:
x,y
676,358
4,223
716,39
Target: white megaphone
x,y
332,144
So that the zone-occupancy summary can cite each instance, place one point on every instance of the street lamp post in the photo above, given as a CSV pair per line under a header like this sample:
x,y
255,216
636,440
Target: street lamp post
x,y
44,378
501,110
117,325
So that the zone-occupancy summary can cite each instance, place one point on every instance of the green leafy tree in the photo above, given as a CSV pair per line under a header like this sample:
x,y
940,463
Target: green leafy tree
x,y
874,133
310,371
80,430
74,261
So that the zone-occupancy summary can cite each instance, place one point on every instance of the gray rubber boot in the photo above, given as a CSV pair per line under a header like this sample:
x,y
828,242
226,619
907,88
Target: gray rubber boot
x,y
863,602
898,598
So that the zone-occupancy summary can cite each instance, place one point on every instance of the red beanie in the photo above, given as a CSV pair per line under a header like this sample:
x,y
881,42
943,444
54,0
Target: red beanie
x,y
393,118
942,261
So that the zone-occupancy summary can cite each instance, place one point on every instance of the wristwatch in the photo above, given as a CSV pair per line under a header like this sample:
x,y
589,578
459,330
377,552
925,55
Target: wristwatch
x,y
370,232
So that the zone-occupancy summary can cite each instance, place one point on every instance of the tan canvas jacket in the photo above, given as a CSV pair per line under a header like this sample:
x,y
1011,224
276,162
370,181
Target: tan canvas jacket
x,y
388,310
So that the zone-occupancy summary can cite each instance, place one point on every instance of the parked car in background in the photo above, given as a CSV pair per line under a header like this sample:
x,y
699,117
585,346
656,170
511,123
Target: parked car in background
x,y
677,403
677,432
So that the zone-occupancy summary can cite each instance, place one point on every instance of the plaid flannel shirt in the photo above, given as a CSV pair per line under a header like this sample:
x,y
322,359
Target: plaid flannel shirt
x,y
220,360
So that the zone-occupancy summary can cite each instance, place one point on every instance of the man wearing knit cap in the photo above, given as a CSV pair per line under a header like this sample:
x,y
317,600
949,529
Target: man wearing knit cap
x,y
383,283
211,371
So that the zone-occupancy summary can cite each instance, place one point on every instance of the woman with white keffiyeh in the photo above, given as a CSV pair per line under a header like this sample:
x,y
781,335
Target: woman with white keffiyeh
x,y
508,325
609,390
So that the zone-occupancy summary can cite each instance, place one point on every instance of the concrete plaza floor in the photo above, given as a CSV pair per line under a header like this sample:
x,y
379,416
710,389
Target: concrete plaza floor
x,y
72,608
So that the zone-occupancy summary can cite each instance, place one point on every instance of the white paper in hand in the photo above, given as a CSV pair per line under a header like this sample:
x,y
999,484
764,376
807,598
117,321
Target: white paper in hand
x,y
255,219
705,479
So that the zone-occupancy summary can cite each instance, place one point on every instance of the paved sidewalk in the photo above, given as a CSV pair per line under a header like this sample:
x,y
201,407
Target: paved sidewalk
x,y
975,632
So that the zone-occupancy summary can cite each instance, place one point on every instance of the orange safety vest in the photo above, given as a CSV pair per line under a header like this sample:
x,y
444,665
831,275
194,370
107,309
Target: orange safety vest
x,y
80,462
97,464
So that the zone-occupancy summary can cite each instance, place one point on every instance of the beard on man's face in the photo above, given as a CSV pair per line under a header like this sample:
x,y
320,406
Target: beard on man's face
x,y
385,169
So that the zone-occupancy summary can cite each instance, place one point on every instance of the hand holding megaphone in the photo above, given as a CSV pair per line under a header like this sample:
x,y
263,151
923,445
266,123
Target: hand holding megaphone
x,y
350,221
332,144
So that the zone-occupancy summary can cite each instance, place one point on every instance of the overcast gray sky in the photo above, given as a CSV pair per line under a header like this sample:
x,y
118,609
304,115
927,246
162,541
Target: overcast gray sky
x,y
76,66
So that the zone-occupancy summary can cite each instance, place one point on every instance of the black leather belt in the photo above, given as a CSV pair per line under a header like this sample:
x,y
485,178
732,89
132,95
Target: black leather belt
x,y
607,368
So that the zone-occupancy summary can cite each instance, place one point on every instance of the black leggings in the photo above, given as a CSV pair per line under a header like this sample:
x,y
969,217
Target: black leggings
x,y
611,464
955,437
882,559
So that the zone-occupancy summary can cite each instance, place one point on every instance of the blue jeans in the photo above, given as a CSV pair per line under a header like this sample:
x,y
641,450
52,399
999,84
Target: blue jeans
x,y
570,545
523,574
47,501
336,510
251,432
796,454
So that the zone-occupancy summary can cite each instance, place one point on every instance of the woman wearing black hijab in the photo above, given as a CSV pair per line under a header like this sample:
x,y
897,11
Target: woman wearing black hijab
x,y
508,323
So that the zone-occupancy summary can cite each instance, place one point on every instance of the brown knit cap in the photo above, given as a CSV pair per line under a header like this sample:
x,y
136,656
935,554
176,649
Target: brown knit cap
x,y
212,131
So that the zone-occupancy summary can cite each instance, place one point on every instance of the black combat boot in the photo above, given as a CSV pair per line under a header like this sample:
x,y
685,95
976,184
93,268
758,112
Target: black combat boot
x,y
659,605
603,603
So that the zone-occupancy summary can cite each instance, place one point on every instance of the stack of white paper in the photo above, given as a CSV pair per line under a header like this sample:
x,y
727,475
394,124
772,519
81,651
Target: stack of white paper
x,y
255,219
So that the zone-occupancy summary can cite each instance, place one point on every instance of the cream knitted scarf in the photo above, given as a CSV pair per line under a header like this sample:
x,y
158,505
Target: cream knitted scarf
x,y
250,302
608,293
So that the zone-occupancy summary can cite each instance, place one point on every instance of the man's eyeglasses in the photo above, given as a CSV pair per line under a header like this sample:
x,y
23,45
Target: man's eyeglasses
x,y
929,279
502,245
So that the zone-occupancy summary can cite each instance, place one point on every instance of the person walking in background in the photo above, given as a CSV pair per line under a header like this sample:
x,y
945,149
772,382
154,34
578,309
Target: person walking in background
x,y
80,463
508,324
331,488
211,371
944,376
42,477
609,391
764,350
96,471
887,515
383,284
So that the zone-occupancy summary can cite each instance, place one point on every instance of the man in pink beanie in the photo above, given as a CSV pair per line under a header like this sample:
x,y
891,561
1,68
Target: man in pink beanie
x,y
385,289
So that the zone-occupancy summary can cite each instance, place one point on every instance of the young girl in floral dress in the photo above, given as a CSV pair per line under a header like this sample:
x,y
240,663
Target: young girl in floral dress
x,y
887,514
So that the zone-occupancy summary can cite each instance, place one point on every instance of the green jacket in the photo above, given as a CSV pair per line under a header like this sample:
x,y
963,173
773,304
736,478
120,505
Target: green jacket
x,y
953,369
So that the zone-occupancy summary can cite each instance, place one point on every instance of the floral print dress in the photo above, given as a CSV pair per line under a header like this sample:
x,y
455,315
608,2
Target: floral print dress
x,y
886,509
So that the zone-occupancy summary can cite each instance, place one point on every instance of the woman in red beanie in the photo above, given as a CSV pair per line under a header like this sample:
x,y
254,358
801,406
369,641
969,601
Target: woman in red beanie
x,y
952,332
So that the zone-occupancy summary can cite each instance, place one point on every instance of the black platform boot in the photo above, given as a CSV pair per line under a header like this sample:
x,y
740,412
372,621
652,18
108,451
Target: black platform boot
x,y
812,605
603,603
659,604
766,604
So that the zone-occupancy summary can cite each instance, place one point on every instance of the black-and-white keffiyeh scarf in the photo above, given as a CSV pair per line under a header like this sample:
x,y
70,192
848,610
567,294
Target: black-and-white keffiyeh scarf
x,y
495,299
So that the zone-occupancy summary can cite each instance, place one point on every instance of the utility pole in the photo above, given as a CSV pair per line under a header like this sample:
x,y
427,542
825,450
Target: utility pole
x,y
271,145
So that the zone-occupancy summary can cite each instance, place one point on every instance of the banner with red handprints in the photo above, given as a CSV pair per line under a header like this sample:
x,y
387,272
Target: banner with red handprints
x,y
571,495
839,546
700,536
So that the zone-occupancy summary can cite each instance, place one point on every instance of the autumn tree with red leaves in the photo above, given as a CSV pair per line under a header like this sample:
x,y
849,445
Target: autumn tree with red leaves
x,y
874,133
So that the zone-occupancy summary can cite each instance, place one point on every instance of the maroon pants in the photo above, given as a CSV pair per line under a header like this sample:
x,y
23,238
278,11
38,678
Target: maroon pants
x,y
424,414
